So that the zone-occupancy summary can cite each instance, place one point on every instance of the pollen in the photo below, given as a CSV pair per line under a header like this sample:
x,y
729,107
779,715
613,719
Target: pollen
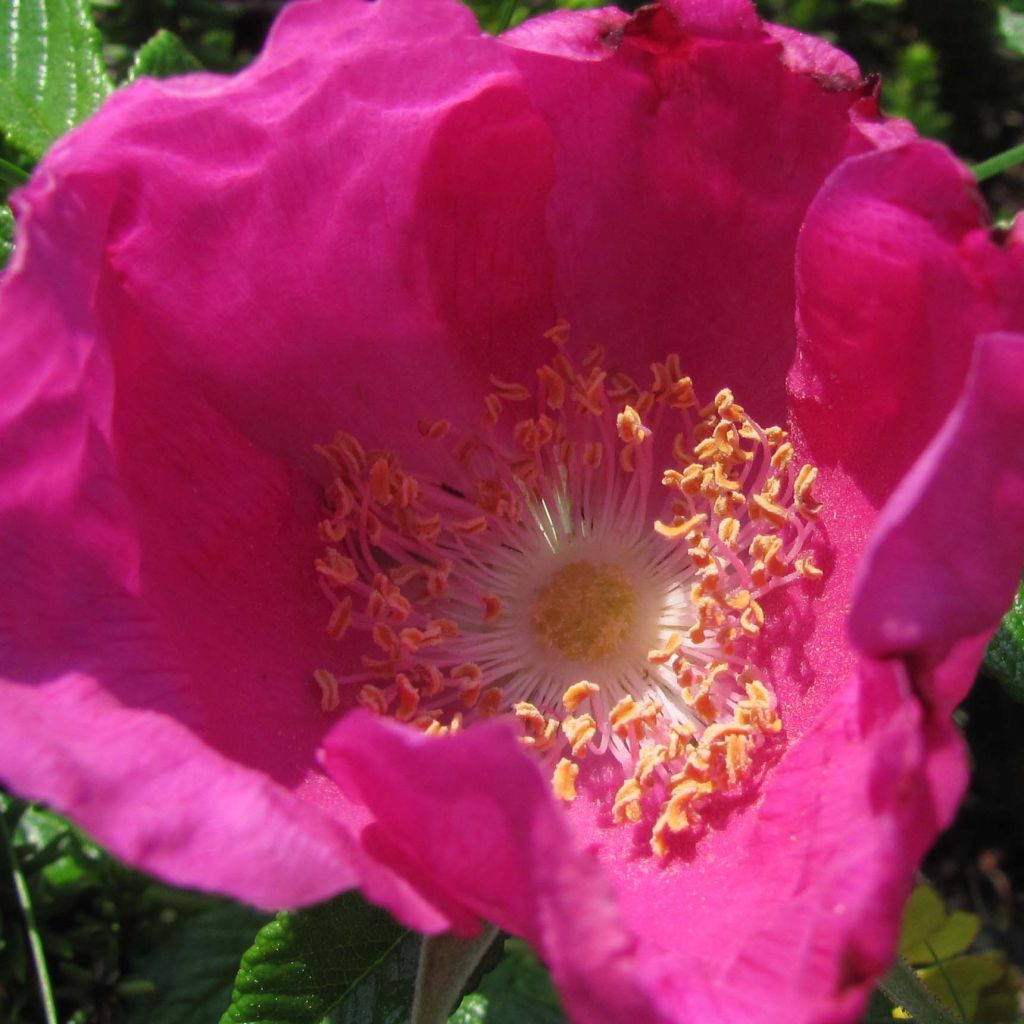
x,y
584,612
596,566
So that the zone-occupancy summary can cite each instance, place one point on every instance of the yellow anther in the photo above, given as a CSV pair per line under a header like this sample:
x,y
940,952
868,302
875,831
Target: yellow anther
x,y
330,697
661,655
651,758
629,713
529,715
684,529
630,427
723,481
578,693
380,482
806,567
373,699
336,569
783,456
679,736
490,702
386,639
554,387
729,532
492,410
341,618
492,607
802,492
752,619
764,508
408,698
509,391
470,527
579,731
563,781
627,802
434,430
559,334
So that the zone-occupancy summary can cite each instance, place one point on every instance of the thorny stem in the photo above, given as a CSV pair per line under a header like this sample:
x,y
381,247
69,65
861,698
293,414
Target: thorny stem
x,y
903,988
31,928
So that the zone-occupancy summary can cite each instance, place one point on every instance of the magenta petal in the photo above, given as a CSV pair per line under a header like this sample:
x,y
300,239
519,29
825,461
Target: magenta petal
x,y
944,559
779,916
301,244
470,819
896,277
717,19
687,190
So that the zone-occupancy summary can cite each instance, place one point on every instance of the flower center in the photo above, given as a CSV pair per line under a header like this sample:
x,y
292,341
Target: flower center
x,y
585,612
606,603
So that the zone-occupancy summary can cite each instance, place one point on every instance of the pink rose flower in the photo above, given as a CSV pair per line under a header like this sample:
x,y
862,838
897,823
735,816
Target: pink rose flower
x,y
258,547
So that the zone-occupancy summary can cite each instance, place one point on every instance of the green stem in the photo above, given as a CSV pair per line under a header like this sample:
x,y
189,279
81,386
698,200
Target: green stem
x,y
904,988
446,964
999,163
31,928
12,174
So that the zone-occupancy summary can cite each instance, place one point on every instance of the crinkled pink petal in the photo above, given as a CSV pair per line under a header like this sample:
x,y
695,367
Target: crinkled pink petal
x,y
218,315
718,19
698,158
471,820
943,562
348,226
897,275
809,55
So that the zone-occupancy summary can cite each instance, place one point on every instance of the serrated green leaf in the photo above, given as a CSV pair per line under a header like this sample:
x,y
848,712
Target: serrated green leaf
x,y
163,56
1004,657
188,977
1011,28
303,965
519,989
51,71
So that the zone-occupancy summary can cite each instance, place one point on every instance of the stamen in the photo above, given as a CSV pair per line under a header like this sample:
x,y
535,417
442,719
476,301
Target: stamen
x,y
533,582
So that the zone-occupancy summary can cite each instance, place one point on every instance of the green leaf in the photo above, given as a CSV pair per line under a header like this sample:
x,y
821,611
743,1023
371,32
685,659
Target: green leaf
x,y
190,973
958,983
1011,28
163,56
957,933
306,964
51,71
519,989
1004,657
923,916
384,996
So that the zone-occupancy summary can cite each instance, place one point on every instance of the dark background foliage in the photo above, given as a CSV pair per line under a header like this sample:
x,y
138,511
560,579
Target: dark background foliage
x,y
123,949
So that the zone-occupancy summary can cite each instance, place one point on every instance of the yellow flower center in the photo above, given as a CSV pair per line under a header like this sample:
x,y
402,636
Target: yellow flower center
x,y
591,566
585,612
